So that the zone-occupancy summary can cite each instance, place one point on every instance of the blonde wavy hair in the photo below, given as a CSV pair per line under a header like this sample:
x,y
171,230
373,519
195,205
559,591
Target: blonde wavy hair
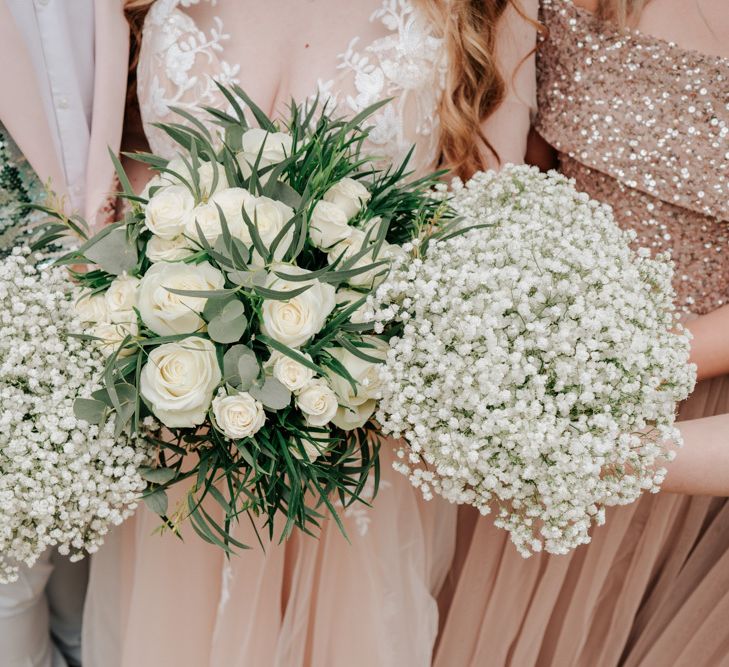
x,y
474,89
622,12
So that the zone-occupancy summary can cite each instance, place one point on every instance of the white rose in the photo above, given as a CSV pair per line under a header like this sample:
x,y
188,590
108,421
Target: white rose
x,y
168,250
121,298
273,147
318,403
92,309
206,174
111,335
239,415
328,225
365,373
289,372
166,313
349,418
311,449
167,210
178,381
297,320
269,217
207,218
231,201
349,195
348,297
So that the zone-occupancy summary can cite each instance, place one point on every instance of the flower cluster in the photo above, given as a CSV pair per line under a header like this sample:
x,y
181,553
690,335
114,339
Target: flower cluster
x,y
539,361
62,481
228,303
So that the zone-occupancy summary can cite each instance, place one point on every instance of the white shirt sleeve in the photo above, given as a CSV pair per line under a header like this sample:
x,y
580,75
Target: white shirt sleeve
x,y
59,35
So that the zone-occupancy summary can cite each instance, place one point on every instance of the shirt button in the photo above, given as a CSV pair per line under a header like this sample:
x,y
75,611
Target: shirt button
x,y
62,103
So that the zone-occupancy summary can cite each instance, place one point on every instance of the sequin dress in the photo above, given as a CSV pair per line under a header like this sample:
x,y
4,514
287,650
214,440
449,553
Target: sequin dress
x,y
643,125
19,186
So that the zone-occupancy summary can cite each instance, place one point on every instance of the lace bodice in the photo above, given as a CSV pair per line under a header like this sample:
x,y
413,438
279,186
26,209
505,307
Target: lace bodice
x,y
188,45
643,125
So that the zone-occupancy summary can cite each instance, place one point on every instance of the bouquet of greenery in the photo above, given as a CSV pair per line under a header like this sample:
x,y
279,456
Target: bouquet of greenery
x,y
229,304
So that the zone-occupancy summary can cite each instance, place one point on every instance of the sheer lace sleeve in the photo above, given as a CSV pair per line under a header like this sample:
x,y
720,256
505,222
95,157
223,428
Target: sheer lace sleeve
x,y
508,127
178,66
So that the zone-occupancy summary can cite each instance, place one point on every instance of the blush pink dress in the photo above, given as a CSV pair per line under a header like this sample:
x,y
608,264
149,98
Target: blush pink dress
x,y
643,125
156,601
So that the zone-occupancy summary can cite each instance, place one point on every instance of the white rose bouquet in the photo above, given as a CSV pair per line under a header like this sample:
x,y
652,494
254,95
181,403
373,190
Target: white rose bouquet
x,y
228,302
538,362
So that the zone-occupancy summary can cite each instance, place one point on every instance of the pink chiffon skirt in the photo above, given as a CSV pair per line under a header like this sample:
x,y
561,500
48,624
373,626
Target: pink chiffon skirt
x,y
650,590
155,601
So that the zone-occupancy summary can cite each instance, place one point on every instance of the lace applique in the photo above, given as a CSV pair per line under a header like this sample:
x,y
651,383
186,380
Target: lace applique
x,y
180,63
408,66
172,76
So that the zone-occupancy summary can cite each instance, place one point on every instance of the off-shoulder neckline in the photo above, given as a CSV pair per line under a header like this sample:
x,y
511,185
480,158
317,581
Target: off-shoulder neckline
x,y
640,35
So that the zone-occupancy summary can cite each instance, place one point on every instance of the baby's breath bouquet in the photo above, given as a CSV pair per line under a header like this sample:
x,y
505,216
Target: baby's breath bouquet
x,y
538,361
63,482
229,302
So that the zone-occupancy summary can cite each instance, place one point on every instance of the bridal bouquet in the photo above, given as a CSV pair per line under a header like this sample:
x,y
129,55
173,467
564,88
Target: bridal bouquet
x,y
228,303
538,361
62,482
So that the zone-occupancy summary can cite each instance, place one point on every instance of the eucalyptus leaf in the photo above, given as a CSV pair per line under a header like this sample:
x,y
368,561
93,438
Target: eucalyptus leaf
x,y
272,394
157,502
90,410
230,324
113,252
248,371
231,359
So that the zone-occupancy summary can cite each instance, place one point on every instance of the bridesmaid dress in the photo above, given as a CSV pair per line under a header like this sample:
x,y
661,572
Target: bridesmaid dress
x,y
643,125
157,601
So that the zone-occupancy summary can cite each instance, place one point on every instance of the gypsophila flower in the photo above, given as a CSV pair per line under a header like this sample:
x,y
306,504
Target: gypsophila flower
x,y
539,364
63,482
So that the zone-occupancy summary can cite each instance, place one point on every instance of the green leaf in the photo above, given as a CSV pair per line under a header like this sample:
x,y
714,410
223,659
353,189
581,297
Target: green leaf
x,y
230,324
157,475
292,354
248,371
90,410
280,295
113,252
249,278
126,405
283,192
123,180
157,501
232,357
203,294
272,394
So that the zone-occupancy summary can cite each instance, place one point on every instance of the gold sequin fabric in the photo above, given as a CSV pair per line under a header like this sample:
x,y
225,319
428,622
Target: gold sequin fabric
x,y
643,125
